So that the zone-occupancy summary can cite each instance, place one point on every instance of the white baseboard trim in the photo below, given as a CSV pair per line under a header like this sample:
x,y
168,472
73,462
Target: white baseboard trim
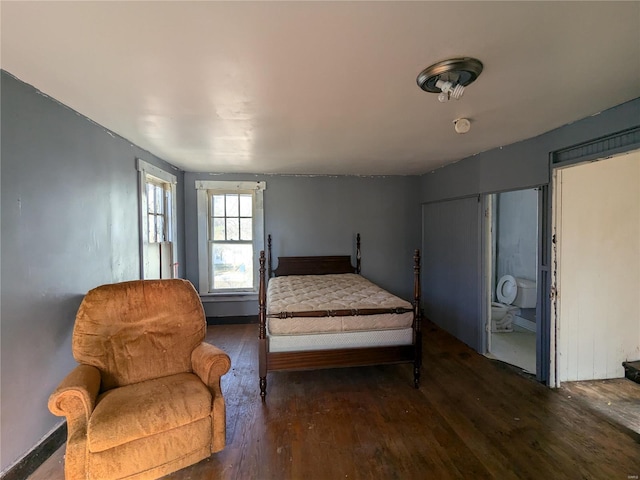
x,y
524,323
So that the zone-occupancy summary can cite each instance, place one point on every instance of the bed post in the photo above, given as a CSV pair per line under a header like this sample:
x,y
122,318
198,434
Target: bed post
x,y
269,255
262,318
417,319
358,254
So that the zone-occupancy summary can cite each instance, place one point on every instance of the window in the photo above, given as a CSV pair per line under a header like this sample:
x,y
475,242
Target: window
x,y
230,235
158,211
158,251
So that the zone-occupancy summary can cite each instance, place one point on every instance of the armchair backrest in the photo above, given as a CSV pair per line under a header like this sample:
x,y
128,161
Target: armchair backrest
x,y
139,330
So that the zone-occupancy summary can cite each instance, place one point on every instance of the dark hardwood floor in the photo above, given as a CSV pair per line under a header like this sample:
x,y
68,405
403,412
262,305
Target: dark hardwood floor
x,y
472,418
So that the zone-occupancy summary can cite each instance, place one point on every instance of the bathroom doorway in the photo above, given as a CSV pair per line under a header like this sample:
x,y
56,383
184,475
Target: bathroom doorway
x,y
511,259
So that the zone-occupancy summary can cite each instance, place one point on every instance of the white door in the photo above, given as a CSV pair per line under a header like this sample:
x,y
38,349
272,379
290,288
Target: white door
x,y
596,311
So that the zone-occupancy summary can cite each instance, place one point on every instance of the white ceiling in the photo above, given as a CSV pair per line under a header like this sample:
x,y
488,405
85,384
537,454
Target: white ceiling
x,y
322,87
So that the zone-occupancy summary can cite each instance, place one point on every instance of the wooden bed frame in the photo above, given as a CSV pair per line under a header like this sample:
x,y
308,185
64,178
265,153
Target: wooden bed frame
x,y
345,357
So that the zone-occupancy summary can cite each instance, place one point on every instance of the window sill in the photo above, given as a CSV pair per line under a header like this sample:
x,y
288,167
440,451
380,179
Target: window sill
x,y
229,297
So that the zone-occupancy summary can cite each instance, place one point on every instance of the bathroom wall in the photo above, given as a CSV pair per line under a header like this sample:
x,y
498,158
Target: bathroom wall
x,y
517,234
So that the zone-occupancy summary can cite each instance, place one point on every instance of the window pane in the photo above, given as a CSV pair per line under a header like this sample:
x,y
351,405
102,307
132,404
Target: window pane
x,y
233,229
218,206
150,199
232,266
169,216
245,229
232,205
159,199
151,221
160,228
218,229
246,202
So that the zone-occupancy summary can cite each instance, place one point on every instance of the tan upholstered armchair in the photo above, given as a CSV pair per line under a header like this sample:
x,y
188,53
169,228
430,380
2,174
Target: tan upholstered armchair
x,y
145,400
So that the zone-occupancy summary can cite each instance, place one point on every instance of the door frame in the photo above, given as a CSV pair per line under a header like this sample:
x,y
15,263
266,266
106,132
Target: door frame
x,y
542,337
486,246
600,148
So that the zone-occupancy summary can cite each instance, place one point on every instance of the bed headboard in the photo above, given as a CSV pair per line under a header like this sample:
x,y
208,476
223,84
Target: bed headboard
x,y
317,265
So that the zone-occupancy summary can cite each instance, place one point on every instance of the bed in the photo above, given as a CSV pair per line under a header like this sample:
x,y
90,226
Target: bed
x,y
319,312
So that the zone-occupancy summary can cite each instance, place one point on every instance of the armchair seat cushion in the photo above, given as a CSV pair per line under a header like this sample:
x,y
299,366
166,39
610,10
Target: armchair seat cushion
x,y
139,410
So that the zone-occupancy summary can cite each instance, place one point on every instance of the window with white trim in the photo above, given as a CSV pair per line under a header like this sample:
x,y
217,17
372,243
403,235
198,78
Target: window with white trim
x,y
159,201
158,223
230,236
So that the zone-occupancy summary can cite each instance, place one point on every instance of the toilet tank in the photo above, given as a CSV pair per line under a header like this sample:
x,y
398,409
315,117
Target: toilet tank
x,y
526,296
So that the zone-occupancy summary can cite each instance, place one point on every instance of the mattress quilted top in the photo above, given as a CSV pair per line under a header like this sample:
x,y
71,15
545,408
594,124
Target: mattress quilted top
x,y
300,293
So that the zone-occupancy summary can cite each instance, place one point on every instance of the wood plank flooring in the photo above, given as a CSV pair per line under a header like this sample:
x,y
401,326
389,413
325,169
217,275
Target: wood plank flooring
x,y
471,418
616,400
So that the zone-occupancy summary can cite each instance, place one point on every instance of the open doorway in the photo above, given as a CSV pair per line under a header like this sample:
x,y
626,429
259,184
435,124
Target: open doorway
x,y
595,315
511,277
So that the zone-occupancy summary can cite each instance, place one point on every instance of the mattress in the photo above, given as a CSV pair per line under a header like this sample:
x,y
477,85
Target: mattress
x,y
303,293
331,341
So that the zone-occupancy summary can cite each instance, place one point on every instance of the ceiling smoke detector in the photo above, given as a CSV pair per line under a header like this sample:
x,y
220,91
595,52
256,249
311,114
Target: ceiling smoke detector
x,y
448,78
462,125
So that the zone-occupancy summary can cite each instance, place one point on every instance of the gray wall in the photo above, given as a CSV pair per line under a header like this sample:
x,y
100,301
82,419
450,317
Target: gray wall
x,y
69,223
320,215
521,165
524,164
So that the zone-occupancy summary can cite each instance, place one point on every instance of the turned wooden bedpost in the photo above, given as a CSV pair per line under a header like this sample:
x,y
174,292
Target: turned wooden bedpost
x,y
358,254
262,318
269,255
417,318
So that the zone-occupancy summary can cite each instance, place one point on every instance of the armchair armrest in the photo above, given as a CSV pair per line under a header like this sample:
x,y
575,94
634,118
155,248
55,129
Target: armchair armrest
x,y
210,363
75,397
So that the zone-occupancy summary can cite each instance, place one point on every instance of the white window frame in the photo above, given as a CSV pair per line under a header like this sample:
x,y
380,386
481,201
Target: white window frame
x,y
204,189
166,210
158,175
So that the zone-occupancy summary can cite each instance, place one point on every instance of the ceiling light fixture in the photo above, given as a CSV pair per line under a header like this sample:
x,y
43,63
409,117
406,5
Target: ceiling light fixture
x,y
448,78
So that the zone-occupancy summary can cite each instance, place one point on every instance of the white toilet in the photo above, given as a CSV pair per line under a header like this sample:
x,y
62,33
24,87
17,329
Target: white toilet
x,y
513,294
502,317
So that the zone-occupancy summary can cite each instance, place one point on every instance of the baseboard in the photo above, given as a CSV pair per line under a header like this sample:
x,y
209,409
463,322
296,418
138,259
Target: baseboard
x,y
524,323
38,454
238,320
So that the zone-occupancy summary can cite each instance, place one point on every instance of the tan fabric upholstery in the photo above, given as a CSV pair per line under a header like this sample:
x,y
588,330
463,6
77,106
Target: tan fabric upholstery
x,y
145,400
135,331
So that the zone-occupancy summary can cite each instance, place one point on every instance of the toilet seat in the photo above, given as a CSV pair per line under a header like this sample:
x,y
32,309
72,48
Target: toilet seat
x,y
507,289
